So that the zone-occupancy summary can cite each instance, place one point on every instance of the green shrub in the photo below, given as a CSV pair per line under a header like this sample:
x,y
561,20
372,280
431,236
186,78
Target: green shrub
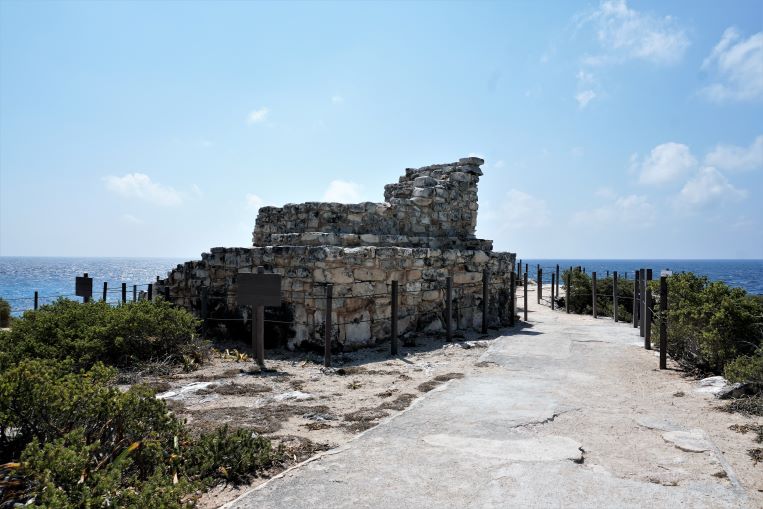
x,y
746,368
96,332
710,323
73,440
5,313
581,295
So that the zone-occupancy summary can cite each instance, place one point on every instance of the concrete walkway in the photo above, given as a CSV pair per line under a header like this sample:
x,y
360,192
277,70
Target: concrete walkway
x,y
571,412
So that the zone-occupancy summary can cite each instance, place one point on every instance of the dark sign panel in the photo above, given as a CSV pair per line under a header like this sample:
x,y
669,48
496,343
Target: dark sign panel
x,y
83,286
259,289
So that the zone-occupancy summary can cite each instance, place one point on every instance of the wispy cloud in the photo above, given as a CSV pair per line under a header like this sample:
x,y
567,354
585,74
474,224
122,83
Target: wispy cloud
x,y
337,99
140,186
254,202
522,210
707,189
734,158
665,163
624,33
631,209
342,191
584,97
737,66
257,116
130,219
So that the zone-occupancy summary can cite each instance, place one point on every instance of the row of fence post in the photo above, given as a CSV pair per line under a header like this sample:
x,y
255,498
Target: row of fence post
x,y
643,302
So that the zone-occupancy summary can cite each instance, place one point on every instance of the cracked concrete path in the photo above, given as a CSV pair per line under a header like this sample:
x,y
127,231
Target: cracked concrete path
x,y
571,412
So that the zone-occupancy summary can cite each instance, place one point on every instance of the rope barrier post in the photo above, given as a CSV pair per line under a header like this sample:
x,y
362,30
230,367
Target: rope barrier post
x,y
614,296
635,299
105,290
552,290
204,310
258,334
663,322
642,303
557,280
485,283
124,293
567,292
328,326
525,308
134,293
648,325
593,296
393,347
512,298
86,291
36,299
540,284
448,312
150,291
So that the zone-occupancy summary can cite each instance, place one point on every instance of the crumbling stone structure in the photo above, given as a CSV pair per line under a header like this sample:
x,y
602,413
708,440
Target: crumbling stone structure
x,y
422,233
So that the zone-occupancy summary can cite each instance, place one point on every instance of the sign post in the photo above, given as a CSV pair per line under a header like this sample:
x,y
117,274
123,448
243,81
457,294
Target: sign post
x,y
258,290
83,287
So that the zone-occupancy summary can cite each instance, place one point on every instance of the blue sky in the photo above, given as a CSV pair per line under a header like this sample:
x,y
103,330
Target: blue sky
x,y
609,130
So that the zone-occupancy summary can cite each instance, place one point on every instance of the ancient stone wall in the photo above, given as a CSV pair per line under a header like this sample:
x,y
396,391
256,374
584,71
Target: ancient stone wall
x,y
438,201
360,249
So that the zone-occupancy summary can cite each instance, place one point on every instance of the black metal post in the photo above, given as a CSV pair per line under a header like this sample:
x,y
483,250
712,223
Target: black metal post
x,y
642,302
525,296
540,284
512,299
635,299
134,293
552,290
614,296
448,311
394,345
124,293
105,290
485,298
648,324
36,299
663,322
328,326
567,292
593,294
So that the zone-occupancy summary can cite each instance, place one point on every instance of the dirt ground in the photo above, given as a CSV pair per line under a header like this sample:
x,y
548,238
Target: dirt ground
x,y
307,408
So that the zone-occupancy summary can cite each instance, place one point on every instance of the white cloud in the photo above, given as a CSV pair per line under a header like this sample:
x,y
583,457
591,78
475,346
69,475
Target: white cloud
x,y
140,186
499,164
666,163
336,99
707,189
257,116
632,210
737,65
606,192
625,33
130,219
522,210
254,202
342,191
584,97
732,158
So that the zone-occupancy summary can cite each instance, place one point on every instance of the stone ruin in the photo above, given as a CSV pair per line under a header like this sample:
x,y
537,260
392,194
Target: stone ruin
x,y
422,233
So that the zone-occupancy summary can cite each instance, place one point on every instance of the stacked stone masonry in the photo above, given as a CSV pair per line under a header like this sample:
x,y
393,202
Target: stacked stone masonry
x,y
420,235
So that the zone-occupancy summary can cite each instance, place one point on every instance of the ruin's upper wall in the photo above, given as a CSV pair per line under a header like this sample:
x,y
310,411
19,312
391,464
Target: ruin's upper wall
x,y
435,202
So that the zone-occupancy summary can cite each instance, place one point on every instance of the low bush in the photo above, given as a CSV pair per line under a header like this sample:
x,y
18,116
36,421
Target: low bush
x,y
710,323
5,313
746,368
96,332
581,295
73,440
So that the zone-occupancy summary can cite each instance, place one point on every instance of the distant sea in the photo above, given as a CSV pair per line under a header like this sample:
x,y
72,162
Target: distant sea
x,y
20,276
54,276
747,274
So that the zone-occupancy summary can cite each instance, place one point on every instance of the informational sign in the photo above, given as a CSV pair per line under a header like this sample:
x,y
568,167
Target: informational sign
x,y
258,289
666,273
83,286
